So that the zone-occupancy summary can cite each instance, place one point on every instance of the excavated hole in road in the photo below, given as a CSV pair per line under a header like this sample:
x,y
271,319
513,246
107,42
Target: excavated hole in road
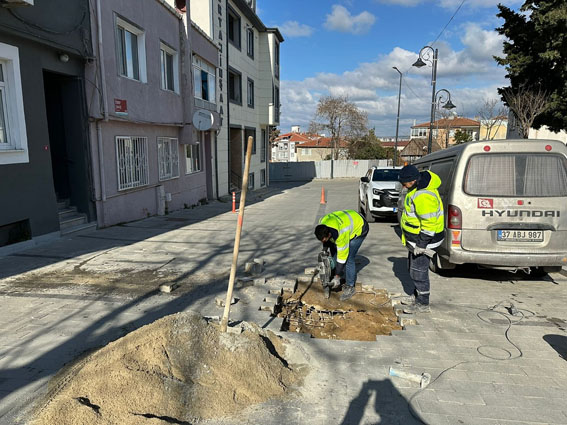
x,y
367,314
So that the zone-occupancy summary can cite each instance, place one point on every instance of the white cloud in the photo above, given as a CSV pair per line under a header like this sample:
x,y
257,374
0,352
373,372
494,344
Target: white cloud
x,y
470,74
341,20
452,4
295,29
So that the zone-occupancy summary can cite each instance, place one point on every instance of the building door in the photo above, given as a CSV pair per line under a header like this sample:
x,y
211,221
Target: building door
x,y
68,140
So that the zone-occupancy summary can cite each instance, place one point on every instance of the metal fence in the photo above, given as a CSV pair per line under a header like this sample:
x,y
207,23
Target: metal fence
x,y
309,170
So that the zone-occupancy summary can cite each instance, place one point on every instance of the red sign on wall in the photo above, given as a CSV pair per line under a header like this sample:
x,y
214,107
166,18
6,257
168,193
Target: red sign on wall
x,y
120,106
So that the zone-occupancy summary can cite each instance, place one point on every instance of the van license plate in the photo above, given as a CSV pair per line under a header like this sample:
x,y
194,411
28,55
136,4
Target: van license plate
x,y
394,209
520,235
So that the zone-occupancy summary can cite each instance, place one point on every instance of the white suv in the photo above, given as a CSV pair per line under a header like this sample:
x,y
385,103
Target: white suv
x,y
378,192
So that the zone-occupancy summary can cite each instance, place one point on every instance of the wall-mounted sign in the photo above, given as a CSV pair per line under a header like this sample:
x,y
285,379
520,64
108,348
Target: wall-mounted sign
x,y
203,120
120,107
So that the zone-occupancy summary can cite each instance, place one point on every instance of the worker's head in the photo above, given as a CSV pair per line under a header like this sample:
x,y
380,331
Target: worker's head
x,y
408,176
322,232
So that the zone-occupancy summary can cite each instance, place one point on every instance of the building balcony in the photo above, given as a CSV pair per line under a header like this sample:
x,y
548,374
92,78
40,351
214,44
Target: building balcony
x,y
273,114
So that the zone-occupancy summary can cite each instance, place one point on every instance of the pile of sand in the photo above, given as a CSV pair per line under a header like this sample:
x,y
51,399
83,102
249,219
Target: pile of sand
x,y
178,369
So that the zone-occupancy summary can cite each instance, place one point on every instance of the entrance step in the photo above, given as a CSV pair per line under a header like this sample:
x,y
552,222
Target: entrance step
x,y
81,228
65,213
72,221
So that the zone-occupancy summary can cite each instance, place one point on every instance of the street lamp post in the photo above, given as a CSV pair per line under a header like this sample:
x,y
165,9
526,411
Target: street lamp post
x,y
443,97
397,119
420,63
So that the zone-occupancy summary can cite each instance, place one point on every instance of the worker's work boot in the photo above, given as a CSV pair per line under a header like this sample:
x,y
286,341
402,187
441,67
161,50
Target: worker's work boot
x,y
408,300
348,292
417,308
327,291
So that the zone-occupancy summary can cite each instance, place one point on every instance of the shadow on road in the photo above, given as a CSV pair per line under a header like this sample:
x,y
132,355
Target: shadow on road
x,y
558,343
389,404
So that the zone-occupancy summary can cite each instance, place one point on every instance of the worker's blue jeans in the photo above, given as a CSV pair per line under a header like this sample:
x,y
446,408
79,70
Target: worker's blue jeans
x,y
350,266
419,273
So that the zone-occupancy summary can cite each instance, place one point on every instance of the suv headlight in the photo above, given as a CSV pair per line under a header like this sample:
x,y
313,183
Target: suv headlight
x,y
377,191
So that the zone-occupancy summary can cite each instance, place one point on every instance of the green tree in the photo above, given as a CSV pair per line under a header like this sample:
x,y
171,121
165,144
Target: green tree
x,y
535,56
341,118
366,147
462,137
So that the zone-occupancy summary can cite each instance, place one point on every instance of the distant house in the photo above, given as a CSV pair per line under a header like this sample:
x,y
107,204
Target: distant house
x,y
494,129
417,148
319,149
444,130
401,144
283,150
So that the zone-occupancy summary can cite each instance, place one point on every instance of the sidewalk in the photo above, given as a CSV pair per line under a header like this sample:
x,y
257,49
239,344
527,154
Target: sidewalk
x,y
79,293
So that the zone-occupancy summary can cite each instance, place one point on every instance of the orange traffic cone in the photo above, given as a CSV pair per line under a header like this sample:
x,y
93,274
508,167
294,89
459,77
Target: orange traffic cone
x,y
323,195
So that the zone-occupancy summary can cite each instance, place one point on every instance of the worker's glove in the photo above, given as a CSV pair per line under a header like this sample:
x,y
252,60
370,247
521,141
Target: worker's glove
x,y
336,282
418,251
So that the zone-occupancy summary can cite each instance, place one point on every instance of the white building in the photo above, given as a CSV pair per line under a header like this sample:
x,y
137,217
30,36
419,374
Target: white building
x,y
247,86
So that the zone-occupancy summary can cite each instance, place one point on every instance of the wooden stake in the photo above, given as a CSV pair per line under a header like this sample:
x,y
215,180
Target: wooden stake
x,y
224,321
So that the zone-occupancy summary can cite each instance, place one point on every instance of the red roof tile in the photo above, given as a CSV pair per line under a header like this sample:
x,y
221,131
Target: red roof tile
x,y
454,122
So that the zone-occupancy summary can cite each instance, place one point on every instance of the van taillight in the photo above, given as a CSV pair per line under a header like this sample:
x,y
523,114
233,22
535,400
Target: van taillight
x,y
455,217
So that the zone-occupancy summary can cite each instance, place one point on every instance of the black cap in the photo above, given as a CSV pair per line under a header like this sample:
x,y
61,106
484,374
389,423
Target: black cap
x,y
408,174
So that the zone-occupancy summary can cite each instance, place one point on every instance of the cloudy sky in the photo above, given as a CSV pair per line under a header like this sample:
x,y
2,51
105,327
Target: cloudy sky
x,y
348,47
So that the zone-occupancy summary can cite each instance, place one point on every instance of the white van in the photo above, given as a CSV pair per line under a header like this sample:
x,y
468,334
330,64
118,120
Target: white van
x,y
505,204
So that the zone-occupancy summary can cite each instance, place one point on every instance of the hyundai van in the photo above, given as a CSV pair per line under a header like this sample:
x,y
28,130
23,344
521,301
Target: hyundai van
x,y
505,204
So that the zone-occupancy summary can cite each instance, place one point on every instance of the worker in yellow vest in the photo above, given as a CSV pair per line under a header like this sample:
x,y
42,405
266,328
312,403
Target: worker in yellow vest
x,y
423,230
343,232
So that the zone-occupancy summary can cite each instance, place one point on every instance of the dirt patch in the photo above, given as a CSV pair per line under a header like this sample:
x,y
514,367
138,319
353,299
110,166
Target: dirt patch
x,y
367,314
122,281
179,369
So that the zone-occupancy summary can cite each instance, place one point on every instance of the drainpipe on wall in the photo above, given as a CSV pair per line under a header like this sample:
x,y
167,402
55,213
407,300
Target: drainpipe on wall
x,y
228,100
104,110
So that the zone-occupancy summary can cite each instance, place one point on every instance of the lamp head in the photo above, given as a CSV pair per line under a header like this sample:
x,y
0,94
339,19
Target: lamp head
x,y
419,63
449,105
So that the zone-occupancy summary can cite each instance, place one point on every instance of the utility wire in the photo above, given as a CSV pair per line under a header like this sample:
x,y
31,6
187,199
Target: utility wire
x,y
445,27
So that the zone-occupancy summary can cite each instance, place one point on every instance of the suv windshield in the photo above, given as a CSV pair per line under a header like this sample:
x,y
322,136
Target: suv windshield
x,y
533,175
389,175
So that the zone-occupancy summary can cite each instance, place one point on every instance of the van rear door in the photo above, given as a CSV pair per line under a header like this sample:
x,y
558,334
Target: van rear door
x,y
515,202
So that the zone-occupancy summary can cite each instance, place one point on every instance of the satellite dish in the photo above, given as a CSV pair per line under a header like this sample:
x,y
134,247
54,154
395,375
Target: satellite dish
x,y
203,120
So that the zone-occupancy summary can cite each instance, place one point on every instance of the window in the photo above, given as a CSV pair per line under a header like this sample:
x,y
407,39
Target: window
x,y
130,42
251,181
13,135
419,132
306,151
264,145
169,68
234,28
250,132
534,175
132,161
263,177
168,158
250,96
193,158
250,42
204,81
276,100
234,86
277,59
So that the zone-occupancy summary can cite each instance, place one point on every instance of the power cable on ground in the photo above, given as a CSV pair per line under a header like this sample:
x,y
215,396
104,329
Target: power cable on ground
x,y
513,311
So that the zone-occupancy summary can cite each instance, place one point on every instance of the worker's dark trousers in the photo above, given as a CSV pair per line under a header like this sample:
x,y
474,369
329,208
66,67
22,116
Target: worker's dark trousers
x,y
419,273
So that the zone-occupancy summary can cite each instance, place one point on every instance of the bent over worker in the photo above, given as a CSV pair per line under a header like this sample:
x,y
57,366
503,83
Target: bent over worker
x,y
423,230
343,232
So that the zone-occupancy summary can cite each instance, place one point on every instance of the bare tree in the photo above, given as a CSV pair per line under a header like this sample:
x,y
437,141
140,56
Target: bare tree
x,y
444,123
341,118
526,104
492,115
